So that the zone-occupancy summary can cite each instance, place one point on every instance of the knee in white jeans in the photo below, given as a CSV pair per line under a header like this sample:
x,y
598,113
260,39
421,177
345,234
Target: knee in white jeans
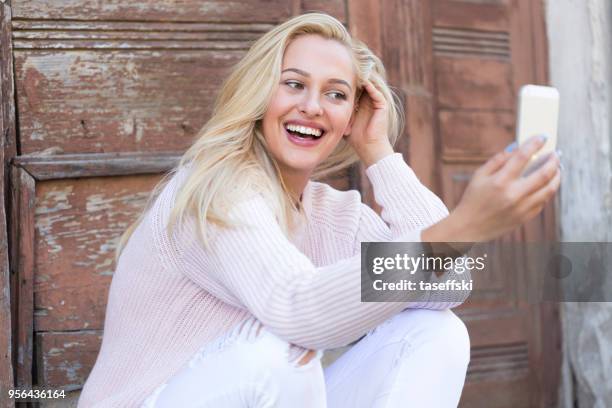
x,y
420,327
280,350
454,334
293,373
250,364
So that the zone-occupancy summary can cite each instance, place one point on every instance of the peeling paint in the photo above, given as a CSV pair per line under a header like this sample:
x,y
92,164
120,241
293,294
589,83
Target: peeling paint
x,y
78,224
54,201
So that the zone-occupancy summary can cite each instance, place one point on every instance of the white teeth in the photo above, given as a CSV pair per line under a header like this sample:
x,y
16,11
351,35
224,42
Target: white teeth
x,y
304,130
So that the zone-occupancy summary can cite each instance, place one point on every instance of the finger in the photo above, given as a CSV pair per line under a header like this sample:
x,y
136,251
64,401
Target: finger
x,y
540,197
377,97
521,157
540,177
494,163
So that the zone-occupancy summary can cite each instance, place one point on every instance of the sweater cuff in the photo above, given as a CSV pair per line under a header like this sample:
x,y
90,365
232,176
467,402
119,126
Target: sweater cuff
x,y
388,167
390,174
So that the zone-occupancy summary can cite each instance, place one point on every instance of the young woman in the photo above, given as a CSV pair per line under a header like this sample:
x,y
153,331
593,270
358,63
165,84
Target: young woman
x,y
243,269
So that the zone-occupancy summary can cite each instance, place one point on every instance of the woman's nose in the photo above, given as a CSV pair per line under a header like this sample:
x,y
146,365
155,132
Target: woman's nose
x,y
310,105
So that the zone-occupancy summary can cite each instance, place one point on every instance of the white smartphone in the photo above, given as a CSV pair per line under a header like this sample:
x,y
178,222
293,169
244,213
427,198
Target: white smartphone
x,y
538,114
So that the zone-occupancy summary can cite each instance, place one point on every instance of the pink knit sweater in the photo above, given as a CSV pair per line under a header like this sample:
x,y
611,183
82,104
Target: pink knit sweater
x,y
169,296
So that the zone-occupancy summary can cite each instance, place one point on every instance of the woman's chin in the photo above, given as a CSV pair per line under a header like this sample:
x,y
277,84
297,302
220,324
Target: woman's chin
x,y
300,166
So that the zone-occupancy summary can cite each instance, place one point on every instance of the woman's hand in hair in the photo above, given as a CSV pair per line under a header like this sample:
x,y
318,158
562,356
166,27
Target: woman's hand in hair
x,y
369,132
499,197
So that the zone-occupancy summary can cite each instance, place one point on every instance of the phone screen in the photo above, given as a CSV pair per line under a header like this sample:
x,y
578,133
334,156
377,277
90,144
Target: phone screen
x,y
538,114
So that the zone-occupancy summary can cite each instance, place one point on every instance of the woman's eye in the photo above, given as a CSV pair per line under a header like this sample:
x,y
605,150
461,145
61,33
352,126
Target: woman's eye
x,y
294,84
337,95
298,85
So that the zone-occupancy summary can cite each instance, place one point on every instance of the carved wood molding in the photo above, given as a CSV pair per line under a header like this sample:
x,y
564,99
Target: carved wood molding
x,y
126,35
464,42
22,236
7,150
96,164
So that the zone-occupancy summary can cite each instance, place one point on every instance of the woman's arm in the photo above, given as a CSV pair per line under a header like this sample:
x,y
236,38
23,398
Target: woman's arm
x,y
407,205
314,307
408,208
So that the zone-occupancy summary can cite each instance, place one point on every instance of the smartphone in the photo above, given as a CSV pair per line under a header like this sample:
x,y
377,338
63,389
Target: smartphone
x,y
538,114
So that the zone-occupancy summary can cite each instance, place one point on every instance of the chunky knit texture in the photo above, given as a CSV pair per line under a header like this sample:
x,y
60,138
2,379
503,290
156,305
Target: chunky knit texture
x,y
170,296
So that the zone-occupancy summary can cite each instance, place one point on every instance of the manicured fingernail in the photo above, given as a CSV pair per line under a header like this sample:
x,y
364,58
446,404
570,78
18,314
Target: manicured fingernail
x,y
511,147
537,138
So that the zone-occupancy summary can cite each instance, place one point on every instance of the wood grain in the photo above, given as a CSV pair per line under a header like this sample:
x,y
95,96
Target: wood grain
x,y
127,35
148,10
116,101
474,83
478,15
24,263
469,136
7,150
65,359
336,8
54,167
78,223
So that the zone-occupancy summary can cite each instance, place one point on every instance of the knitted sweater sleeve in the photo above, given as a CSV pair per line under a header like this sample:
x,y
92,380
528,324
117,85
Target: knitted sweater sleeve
x,y
257,268
408,207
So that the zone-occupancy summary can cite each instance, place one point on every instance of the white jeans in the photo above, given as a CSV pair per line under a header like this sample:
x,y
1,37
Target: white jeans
x,y
417,358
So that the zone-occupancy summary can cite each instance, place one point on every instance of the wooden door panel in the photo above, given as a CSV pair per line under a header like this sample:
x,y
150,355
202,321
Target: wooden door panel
x,y
65,359
485,15
239,11
69,219
77,222
457,64
498,392
468,82
474,136
480,59
455,177
116,101
336,8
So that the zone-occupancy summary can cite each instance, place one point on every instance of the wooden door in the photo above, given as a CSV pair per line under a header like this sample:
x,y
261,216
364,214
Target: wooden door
x,y
99,99
106,97
458,65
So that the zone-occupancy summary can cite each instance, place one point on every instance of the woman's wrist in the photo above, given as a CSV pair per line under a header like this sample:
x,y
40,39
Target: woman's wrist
x,y
453,228
448,237
374,153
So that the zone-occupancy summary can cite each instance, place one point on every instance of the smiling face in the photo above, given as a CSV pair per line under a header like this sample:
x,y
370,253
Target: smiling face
x,y
311,108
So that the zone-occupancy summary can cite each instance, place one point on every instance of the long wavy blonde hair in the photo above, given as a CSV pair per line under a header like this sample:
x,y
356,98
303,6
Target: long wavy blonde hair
x,y
230,159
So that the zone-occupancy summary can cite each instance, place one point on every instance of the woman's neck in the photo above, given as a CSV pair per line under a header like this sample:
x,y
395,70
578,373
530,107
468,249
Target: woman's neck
x,y
296,184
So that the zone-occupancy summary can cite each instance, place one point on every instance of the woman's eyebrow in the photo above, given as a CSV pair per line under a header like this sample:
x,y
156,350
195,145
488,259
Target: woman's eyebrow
x,y
306,74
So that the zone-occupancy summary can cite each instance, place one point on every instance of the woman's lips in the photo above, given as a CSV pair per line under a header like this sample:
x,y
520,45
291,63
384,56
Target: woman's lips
x,y
306,142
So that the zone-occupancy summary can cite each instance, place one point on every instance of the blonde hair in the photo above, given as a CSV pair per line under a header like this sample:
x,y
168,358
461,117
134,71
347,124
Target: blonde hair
x,y
229,158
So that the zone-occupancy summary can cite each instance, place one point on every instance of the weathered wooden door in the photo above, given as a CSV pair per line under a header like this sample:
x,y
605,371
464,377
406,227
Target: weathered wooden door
x,y
99,99
458,65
